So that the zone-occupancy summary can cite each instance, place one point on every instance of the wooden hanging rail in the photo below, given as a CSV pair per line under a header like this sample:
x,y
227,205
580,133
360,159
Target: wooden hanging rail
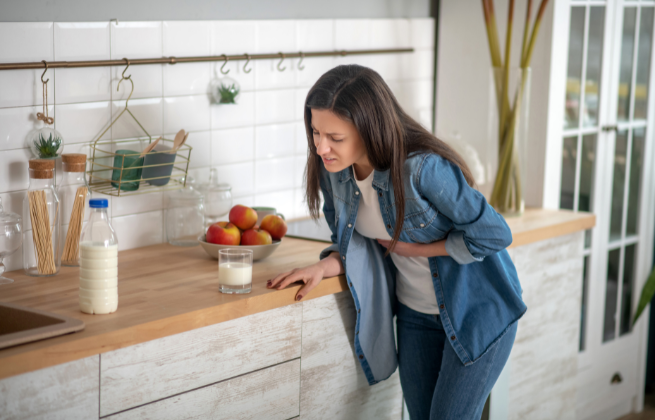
x,y
175,60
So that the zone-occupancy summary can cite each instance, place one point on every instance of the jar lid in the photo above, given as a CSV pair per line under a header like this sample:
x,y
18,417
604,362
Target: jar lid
x,y
41,168
7,218
184,196
73,158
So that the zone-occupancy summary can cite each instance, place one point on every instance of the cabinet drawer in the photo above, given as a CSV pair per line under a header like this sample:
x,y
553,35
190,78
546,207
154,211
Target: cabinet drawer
x,y
168,366
270,394
68,391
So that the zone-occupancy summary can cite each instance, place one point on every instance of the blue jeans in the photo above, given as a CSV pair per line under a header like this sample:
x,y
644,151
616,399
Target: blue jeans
x,y
436,385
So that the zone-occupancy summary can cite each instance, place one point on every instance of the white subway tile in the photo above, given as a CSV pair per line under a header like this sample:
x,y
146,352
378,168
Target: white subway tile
x,y
240,176
274,140
299,170
313,69
16,123
81,41
85,84
281,200
276,35
24,87
13,170
352,34
388,66
83,122
133,204
199,175
421,33
315,34
246,200
274,174
300,205
417,65
186,79
136,40
240,115
301,139
149,112
301,96
389,33
138,230
22,42
233,37
268,76
418,93
275,106
201,142
147,82
187,38
233,145
236,72
190,113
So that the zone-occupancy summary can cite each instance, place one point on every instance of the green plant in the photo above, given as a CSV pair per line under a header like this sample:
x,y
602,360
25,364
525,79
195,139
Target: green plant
x,y
646,295
47,148
228,93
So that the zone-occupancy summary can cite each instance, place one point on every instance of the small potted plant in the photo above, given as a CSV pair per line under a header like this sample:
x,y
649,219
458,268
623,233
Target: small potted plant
x,y
46,143
225,90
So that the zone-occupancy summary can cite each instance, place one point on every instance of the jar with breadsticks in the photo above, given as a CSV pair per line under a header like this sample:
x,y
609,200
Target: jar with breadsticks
x,y
73,191
42,221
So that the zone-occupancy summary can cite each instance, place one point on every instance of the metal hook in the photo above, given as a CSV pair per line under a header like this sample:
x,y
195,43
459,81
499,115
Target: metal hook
x,y
302,57
128,65
245,65
280,63
226,60
44,71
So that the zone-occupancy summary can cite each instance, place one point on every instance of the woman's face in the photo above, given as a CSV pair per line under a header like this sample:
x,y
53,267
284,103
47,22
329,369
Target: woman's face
x,y
337,141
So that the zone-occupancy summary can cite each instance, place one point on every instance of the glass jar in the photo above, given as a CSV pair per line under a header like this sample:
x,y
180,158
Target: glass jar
x,y
218,199
73,193
98,292
45,143
184,217
42,221
10,238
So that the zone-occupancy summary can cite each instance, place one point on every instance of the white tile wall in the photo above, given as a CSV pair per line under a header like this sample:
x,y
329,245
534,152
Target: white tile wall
x,y
259,145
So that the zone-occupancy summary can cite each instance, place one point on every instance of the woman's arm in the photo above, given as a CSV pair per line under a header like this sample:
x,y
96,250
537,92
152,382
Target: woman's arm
x,y
478,230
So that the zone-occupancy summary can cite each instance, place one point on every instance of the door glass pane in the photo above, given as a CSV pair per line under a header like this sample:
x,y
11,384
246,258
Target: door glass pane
x,y
636,164
567,188
643,62
587,165
583,306
594,64
618,185
609,324
626,293
627,49
574,71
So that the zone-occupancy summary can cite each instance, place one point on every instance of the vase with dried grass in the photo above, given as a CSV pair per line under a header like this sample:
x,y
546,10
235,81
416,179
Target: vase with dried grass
x,y
42,221
74,194
509,105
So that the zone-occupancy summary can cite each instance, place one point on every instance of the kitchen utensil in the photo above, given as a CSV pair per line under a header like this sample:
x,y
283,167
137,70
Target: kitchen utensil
x,y
259,252
128,166
177,141
184,217
10,238
149,147
234,270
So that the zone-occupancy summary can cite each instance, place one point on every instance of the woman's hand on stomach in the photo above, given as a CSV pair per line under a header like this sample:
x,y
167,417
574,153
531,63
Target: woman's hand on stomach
x,y
406,249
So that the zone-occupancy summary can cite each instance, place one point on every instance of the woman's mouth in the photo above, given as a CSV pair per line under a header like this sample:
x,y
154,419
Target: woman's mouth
x,y
329,161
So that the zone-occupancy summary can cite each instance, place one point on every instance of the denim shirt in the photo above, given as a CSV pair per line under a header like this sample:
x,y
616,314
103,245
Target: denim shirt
x,y
476,285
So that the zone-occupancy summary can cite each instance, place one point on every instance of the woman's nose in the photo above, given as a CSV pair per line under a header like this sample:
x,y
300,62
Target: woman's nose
x,y
322,147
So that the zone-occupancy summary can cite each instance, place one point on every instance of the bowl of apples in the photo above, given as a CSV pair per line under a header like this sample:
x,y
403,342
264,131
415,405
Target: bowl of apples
x,y
242,231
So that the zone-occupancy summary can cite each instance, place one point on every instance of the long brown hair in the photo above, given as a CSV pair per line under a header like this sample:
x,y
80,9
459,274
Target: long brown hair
x,y
359,95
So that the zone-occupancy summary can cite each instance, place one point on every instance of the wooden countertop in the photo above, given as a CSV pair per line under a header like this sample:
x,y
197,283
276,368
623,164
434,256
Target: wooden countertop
x,y
166,290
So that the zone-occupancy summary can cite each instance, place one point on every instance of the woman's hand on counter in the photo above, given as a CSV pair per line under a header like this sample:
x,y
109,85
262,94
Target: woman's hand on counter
x,y
311,275
406,249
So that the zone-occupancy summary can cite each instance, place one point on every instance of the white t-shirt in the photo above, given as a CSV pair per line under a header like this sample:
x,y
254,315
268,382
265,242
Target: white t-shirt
x,y
413,281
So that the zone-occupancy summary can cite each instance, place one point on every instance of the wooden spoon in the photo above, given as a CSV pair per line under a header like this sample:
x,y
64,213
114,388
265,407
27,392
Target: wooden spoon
x,y
179,137
149,147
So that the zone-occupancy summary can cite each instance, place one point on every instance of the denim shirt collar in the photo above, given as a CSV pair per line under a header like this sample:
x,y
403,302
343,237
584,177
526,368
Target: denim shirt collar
x,y
380,178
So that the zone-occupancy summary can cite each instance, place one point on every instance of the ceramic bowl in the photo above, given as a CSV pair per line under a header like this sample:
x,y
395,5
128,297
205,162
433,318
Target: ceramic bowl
x,y
259,252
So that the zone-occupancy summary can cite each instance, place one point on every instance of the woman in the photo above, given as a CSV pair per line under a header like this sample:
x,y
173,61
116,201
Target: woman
x,y
415,240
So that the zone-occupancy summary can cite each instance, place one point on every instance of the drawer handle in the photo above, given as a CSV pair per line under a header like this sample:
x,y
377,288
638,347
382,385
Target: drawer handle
x,y
616,379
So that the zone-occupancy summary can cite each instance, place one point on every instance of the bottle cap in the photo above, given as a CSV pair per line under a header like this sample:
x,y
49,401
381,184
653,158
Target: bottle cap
x,y
98,203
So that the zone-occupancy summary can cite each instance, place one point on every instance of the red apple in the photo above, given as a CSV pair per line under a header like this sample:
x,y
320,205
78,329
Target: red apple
x,y
256,237
223,233
243,217
275,225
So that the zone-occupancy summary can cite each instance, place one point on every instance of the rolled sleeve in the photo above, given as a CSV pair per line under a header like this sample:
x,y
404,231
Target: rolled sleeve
x,y
478,230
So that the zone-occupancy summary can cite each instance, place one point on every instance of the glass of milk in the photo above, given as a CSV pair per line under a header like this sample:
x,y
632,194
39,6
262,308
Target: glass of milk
x,y
234,270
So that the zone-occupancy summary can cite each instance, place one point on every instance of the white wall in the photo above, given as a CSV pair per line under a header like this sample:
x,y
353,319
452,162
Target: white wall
x,y
463,81
258,145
